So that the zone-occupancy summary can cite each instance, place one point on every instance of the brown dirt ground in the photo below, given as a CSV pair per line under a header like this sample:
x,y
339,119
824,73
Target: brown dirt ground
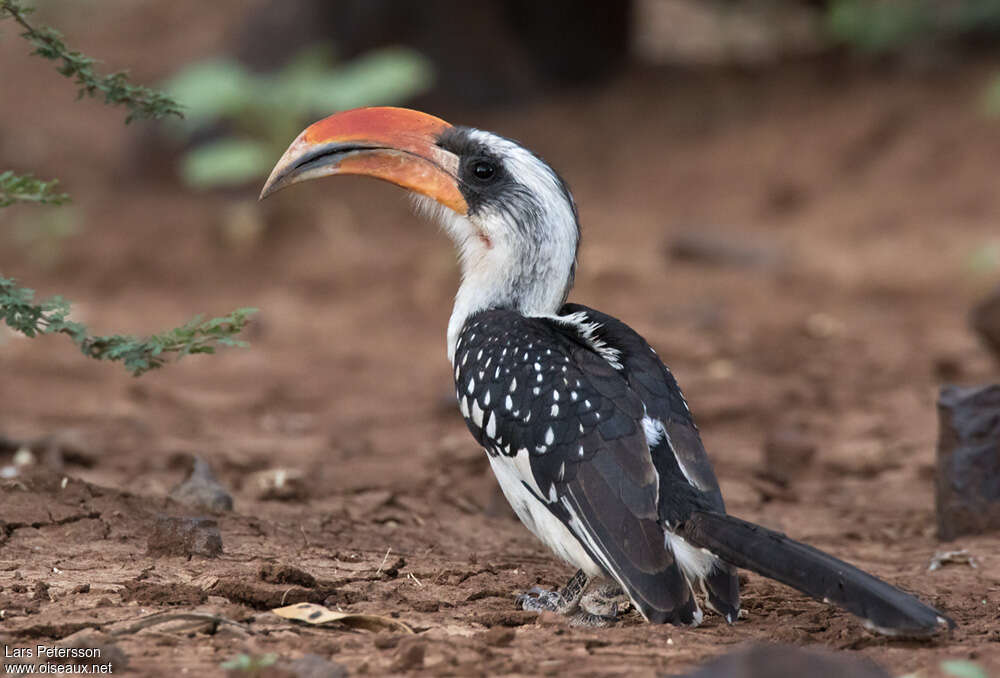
x,y
870,190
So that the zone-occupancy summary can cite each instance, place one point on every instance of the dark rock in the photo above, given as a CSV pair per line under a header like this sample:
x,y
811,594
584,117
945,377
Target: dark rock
x,y
386,641
244,591
286,574
781,661
172,536
985,320
968,461
201,490
41,592
150,593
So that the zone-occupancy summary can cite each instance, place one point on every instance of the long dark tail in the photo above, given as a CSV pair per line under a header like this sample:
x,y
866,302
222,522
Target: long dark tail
x,y
884,608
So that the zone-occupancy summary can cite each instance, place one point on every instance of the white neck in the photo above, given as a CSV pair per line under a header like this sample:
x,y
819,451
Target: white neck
x,y
503,268
517,251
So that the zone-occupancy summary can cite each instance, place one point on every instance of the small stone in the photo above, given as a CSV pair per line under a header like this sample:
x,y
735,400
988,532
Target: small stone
x,y
281,484
201,490
24,457
968,461
186,537
310,666
823,326
286,574
386,641
41,592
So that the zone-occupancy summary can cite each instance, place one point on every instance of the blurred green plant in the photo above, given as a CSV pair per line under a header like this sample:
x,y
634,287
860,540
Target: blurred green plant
x,y
43,234
18,308
991,99
985,259
961,668
25,188
252,665
884,26
263,113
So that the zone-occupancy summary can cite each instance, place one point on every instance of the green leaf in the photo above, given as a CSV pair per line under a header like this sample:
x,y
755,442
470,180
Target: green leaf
x,y
875,26
246,663
384,77
991,99
985,259
115,88
16,188
212,89
963,669
227,162
20,312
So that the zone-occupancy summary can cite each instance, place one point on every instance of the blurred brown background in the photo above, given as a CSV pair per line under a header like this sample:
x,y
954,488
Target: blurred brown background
x,y
795,202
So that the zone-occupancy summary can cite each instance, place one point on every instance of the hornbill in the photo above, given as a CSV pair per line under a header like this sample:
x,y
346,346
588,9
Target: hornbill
x,y
585,429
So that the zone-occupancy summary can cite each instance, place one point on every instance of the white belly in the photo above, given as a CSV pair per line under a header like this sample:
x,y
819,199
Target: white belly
x,y
510,472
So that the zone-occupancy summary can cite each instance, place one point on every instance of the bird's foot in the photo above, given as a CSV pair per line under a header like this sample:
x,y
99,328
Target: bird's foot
x,y
607,601
589,620
566,601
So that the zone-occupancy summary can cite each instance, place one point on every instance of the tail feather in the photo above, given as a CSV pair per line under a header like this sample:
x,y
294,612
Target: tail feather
x,y
884,608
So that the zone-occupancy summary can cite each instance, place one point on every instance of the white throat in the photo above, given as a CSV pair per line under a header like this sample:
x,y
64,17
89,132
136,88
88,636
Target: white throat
x,y
525,267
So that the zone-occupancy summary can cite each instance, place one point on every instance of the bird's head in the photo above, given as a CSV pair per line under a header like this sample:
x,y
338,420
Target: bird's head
x,y
511,216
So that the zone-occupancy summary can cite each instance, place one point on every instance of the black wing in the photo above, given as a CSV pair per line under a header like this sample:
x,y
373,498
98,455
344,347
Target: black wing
x,y
535,385
687,481
683,461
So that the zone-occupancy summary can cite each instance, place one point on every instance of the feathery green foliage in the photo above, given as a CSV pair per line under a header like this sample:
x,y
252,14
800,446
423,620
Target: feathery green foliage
x,y
880,27
25,188
21,313
141,102
266,111
18,308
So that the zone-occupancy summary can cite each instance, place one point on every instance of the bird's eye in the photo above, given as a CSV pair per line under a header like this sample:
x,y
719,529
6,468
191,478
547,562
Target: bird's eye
x,y
484,170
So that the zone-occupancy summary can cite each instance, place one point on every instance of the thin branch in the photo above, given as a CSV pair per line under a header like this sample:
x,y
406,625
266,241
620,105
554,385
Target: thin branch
x,y
15,188
142,102
20,312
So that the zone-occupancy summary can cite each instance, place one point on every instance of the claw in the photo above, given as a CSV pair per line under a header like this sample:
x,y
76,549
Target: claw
x,y
538,599
589,620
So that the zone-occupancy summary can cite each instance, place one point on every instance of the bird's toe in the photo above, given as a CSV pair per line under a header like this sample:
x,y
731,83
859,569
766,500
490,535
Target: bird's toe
x,y
538,599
